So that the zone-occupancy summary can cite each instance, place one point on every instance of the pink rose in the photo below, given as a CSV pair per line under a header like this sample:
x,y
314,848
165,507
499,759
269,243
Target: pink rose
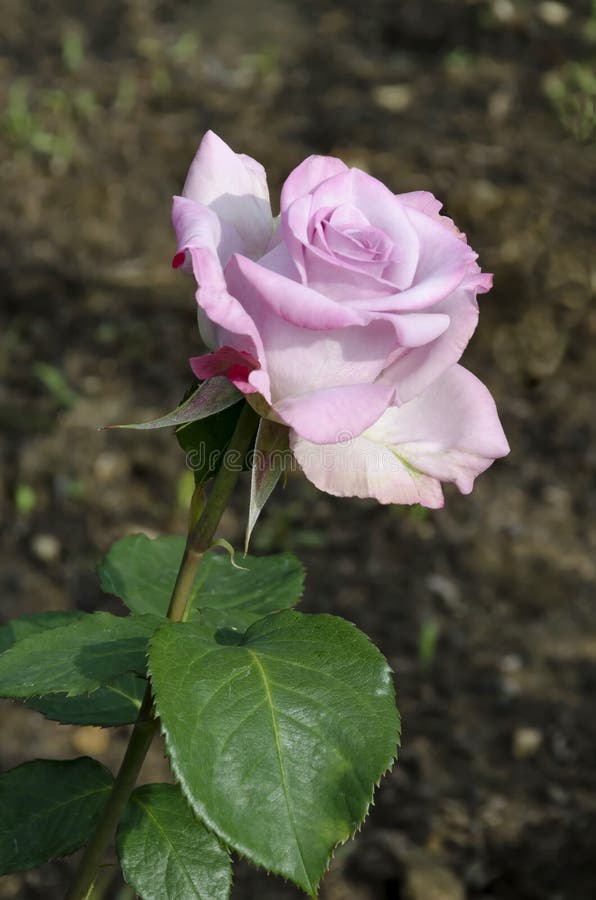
x,y
344,318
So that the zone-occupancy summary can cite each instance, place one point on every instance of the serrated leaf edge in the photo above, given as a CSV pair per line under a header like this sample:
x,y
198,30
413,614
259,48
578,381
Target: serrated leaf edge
x,y
134,799
85,693
202,813
72,847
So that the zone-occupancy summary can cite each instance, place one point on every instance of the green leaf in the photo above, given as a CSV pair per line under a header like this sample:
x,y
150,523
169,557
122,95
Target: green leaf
x,y
117,703
25,626
49,809
166,853
227,596
209,398
279,738
76,658
114,704
142,573
205,441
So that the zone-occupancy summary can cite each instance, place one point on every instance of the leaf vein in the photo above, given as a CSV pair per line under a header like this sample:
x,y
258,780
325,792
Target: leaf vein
x,y
282,771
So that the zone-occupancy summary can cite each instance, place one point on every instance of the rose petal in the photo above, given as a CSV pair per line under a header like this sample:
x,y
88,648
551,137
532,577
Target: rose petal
x,y
300,360
381,209
307,176
414,370
422,200
236,365
427,203
234,186
444,263
197,225
343,280
259,286
450,433
332,414
235,328
418,329
362,468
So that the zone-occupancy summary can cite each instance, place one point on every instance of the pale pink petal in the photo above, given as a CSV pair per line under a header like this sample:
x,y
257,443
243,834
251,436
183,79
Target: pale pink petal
x,y
422,200
427,203
295,223
307,176
332,414
277,259
260,287
363,468
442,267
382,210
204,242
348,216
415,369
444,259
451,432
234,186
299,360
344,280
233,325
476,280
418,329
198,226
277,236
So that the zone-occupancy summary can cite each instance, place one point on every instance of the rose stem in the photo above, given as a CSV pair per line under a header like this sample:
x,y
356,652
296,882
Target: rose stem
x,y
199,540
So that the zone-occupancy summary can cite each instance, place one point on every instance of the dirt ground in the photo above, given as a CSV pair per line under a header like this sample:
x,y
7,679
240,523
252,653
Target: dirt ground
x,y
485,609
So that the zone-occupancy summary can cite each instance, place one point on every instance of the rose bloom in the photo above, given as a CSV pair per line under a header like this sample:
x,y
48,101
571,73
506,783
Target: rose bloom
x,y
343,318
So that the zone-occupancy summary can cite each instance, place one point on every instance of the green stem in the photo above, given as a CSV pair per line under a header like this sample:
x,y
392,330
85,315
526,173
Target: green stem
x,y
136,751
199,540
201,535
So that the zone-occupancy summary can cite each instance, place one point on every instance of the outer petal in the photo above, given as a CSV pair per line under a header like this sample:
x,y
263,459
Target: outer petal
x,y
197,225
416,368
363,468
422,200
234,326
332,414
300,361
428,204
234,186
451,433
418,329
311,342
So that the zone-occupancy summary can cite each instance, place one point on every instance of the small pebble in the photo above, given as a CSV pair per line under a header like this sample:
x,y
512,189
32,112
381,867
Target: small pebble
x,y
511,664
526,742
444,588
554,14
46,547
393,97
504,11
110,466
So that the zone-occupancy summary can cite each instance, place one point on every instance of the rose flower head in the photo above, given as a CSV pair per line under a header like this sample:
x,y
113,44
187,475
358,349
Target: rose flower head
x,y
343,319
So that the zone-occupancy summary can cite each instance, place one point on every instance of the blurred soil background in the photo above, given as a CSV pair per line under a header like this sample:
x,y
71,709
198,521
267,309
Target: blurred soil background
x,y
486,608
